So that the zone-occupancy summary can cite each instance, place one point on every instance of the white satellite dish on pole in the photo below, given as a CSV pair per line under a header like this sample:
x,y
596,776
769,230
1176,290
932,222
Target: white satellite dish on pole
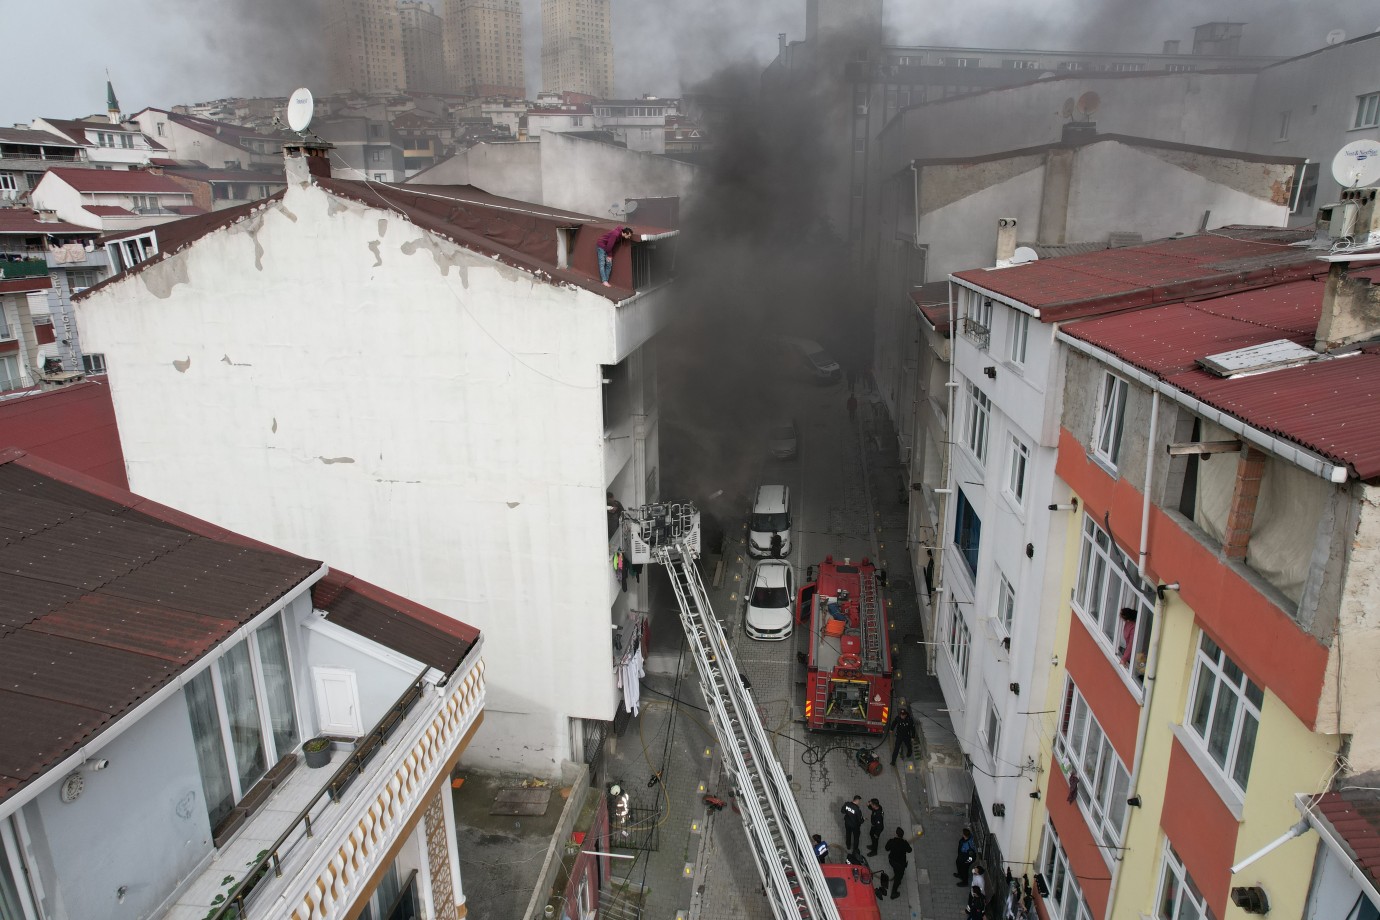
x,y
1357,164
1336,36
300,109
1024,254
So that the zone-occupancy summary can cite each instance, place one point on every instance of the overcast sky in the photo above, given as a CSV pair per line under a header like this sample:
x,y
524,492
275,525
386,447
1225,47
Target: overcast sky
x,y
163,52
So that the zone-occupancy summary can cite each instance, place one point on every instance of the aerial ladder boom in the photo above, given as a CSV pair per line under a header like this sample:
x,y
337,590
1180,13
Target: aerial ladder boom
x,y
668,534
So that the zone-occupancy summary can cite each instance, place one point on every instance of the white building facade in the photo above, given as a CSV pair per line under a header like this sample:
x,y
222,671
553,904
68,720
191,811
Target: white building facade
x,y
471,404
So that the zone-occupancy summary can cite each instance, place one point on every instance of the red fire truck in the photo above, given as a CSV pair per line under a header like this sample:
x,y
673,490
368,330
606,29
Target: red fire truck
x,y
848,684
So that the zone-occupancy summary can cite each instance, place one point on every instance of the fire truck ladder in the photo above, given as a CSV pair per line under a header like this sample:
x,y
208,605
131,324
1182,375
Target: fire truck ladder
x,y
776,833
870,619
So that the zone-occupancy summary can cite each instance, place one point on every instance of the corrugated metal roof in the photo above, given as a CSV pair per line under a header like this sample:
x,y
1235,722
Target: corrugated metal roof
x,y
117,181
932,300
23,220
1325,406
105,597
1094,283
1355,816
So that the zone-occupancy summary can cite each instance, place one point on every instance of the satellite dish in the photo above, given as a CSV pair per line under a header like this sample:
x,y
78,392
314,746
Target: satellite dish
x,y
1024,254
1067,110
1336,36
1088,102
1357,164
300,109
629,205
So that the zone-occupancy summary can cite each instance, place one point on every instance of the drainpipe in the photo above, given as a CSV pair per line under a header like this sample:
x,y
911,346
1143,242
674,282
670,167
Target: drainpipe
x,y
1156,631
943,504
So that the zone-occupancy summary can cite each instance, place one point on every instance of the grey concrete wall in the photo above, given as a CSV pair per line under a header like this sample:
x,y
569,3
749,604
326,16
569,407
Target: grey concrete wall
x,y
1207,109
587,176
512,170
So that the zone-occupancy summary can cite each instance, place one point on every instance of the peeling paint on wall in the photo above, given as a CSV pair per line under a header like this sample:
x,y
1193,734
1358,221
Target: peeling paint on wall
x,y
329,460
374,248
274,428
160,279
183,364
225,359
383,227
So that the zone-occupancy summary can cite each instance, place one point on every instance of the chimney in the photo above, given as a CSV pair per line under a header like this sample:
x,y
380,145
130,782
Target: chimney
x,y
306,160
1006,239
1077,131
1171,46
781,43
1350,310
1250,470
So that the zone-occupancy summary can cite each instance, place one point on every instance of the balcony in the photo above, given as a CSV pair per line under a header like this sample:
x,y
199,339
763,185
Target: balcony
x,y
314,844
23,268
976,332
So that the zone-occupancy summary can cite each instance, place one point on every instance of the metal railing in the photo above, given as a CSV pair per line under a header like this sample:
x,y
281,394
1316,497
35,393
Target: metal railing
x,y
347,773
976,332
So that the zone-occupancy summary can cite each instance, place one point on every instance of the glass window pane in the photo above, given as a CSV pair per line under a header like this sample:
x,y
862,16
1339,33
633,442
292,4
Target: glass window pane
x,y
210,747
282,710
1245,750
1223,721
1202,701
242,707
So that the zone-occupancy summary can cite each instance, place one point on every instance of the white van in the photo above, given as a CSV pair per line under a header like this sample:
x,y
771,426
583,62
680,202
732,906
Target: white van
x,y
771,516
816,363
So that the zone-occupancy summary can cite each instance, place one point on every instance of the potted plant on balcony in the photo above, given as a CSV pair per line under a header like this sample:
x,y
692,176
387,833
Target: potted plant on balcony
x,y
317,752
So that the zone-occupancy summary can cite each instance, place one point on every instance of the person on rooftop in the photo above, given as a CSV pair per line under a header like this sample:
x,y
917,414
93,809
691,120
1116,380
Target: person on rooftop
x,y
606,245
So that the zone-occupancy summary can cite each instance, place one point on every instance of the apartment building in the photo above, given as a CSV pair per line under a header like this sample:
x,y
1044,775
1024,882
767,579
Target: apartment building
x,y
458,376
277,736
26,154
113,200
424,68
482,46
577,47
104,143
215,144
364,46
640,124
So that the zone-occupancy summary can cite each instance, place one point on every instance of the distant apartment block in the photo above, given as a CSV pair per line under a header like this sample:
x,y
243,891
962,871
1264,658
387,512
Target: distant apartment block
x,y
364,44
482,47
423,63
577,47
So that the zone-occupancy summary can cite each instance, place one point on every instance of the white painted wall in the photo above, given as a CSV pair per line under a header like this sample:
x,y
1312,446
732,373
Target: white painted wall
x,y
422,416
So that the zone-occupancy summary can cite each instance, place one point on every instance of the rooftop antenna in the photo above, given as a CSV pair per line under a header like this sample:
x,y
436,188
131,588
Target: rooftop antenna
x,y
1024,254
300,109
1067,109
1335,37
1088,103
623,208
1357,164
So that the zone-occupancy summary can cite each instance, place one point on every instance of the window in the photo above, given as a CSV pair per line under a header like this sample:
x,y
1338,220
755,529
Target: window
x,y
1306,192
11,872
1283,126
9,373
959,62
1065,899
1113,600
380,177
991,730
1124,67
1006,604
93,364
126,140
1224,711
959,637
1020,331
1181,68
1367,111
967,533
1017,460
4,325
1179,898
159,128
977,325
1110,416
244,717
145,202
79,279
1090,763
979,412
1011,64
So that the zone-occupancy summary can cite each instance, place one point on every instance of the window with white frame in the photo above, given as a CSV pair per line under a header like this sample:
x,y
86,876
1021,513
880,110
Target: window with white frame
x,y
991,729
93,363
1224,711
979,415
1090,763
1065,900
958,642
1020,333
12,875
243,715
1179,898
1113,600
1006,603
1111,412
9,373
967,532
1367,111
1017,461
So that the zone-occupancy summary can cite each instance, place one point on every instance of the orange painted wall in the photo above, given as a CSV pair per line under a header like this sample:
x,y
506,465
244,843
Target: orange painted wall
x,y
1084,854
1199,827
1258,636
1115,708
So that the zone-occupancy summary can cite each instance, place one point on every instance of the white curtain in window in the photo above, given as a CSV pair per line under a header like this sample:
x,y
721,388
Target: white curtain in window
x,y
282,710
210,747
242,707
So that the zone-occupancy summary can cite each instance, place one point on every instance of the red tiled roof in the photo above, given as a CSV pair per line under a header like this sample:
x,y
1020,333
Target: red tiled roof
x,y
24,285
76,130
932,300
224,130
36,137
188,210
108,210
1317,405
106,597
22,220
138,181
1094,283
1355,817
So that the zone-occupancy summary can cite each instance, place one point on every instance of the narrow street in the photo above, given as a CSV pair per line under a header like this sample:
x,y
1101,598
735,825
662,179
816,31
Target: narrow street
x,y
847,500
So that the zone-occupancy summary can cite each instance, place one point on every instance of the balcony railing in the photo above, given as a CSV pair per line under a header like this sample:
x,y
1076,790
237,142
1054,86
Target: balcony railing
x,y
23,268
976,332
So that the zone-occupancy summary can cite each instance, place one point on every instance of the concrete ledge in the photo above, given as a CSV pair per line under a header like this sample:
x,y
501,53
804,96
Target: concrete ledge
x,y
577,777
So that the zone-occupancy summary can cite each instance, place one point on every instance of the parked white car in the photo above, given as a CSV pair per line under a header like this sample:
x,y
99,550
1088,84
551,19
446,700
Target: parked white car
x,y
782,439
771,601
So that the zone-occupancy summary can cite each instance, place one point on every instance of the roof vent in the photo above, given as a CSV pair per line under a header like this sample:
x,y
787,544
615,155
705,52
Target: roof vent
x,y
1258,359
